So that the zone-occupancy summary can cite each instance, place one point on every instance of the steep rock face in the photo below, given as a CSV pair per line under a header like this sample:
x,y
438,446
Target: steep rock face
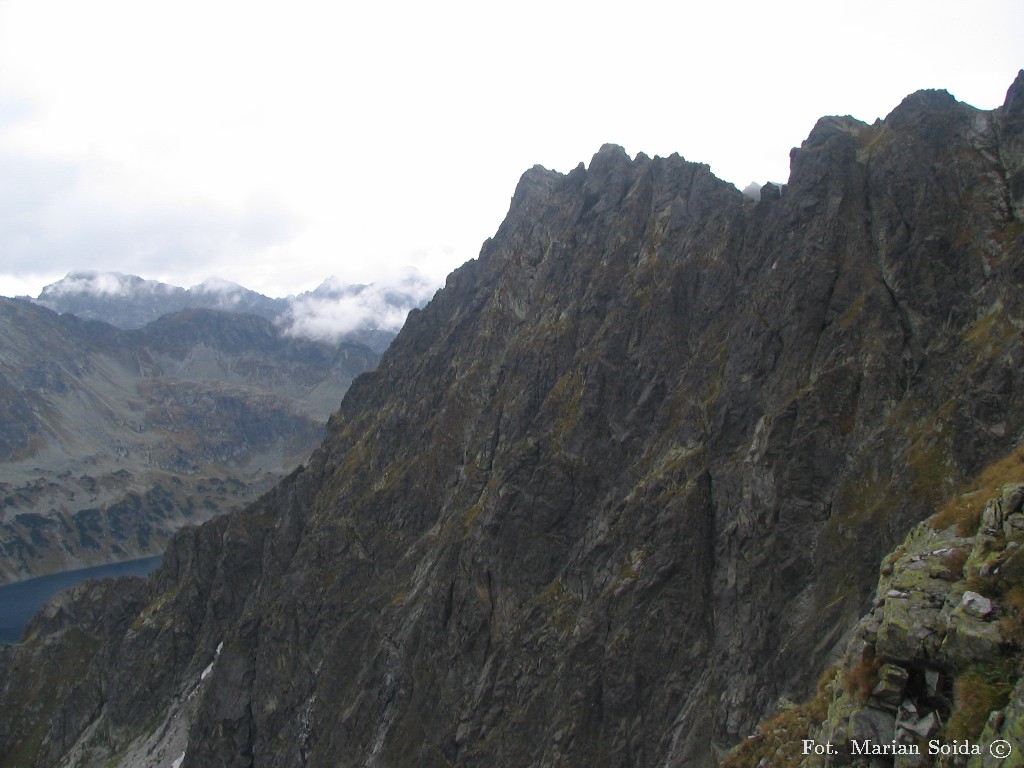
x,y
111,440
933,665
620,486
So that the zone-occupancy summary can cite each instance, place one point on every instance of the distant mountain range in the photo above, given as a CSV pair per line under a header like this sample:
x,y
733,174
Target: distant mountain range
x,y
132,407
113,439
129,301
370,314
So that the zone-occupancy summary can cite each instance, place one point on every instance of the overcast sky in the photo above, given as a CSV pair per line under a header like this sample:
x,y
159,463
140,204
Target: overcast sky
x,y
275,144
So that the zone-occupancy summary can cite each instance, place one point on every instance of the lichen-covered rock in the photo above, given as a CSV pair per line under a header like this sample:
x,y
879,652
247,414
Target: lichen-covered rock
x,y
1006,725
892,682
969,639
978,606
934,661
1013,499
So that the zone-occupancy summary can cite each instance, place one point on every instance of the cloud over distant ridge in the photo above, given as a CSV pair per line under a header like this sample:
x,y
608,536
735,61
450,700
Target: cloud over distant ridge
x,y
94,283
335,308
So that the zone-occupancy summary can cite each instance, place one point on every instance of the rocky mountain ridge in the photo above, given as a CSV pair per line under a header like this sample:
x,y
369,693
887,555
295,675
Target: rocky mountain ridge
x,y
130,301
617,489
112,439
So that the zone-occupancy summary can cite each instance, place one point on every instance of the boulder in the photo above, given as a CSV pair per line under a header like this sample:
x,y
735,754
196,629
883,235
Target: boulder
x,y
892,680
976,605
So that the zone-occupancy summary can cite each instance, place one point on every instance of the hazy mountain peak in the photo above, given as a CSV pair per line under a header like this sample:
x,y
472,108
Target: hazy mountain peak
x,y
333,286
219,285
334,310
94,283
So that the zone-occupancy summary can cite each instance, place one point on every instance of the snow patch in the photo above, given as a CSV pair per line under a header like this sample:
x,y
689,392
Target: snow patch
x,y
209,668
177,763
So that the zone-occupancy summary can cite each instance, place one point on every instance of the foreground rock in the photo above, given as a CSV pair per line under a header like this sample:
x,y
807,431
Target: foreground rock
x,y
932,674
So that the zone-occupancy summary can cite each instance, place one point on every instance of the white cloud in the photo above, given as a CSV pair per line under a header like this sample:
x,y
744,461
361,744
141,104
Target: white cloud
x,y
55,217
336,307
217,285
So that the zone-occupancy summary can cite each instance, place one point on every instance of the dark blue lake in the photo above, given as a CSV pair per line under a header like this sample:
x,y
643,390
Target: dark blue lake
x,y
19,602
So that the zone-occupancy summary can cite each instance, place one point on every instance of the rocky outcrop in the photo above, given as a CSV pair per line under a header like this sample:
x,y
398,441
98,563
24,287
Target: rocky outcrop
x,y
932,673
618,488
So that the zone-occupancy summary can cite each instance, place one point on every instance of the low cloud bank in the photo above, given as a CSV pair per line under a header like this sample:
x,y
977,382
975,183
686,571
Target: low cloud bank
x,y
335,309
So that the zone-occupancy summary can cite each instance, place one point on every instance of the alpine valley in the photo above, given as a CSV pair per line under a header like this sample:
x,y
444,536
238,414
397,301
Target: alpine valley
x,y
114,437
620,491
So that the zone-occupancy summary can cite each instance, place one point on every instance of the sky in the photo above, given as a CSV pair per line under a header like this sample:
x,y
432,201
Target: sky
x,y
276,144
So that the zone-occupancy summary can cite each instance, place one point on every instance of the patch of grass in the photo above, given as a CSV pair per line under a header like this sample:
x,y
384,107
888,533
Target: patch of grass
x,y
928,461
1011,626
469,517
989,330
977,692
560,606
631,566
777,741
156,609
564,399
954,562
45,691
988,585
871,137
861,499
964,509
852,312
860,679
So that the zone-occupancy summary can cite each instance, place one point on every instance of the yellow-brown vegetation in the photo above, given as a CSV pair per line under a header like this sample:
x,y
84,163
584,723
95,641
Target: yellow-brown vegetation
x,y
964,509
778,739
976,693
